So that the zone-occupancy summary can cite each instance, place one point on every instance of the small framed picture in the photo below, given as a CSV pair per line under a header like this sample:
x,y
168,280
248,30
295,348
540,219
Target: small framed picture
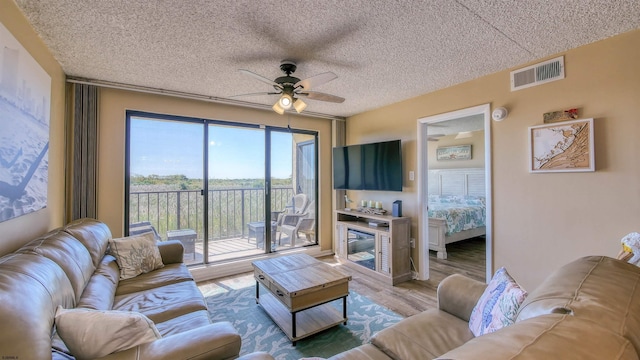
x,y
562,147
460,152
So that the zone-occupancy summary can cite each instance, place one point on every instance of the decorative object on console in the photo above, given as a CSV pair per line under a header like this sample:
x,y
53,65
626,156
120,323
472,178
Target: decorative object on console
x,y
562,115
459,152
397,208
498,305
347,202
369,210
562,147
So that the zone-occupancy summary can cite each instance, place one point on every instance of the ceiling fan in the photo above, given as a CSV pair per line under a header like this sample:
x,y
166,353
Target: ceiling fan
x,y
290,88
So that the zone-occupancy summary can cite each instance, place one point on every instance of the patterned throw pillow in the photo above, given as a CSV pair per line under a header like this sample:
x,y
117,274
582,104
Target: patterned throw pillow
x,y
498,305
136,254
91,334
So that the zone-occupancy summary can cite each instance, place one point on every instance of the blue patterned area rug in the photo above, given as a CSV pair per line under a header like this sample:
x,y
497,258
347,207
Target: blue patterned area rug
x,y
260,333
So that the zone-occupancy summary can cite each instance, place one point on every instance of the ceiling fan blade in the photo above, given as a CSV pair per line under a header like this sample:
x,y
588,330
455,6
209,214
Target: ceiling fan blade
x,y
259,77
314,95
316,80
255,94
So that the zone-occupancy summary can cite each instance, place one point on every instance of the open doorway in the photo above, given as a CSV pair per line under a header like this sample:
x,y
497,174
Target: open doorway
x,y
454,166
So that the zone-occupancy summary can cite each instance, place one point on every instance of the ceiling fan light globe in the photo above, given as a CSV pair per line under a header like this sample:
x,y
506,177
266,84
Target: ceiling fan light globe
x,y
286,101
277,108
299,105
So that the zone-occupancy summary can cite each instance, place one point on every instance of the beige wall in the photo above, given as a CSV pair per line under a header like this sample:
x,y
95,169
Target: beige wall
x,y
542,221
17,231
111,152
477,152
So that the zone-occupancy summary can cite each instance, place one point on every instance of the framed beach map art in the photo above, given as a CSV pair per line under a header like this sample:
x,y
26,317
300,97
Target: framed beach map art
x,y
562,147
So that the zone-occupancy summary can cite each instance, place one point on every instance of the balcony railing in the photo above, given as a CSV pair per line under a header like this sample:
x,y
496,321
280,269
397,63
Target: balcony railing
x,y
230,210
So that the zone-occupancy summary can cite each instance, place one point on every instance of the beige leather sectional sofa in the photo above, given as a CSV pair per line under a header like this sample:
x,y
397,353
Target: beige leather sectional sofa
x,y
588,309
68,267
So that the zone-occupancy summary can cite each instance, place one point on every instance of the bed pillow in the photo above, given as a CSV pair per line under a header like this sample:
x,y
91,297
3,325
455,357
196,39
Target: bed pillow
x,y
498,305
91,334
136,254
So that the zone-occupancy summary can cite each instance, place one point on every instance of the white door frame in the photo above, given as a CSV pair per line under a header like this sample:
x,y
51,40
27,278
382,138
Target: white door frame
x,y
423,167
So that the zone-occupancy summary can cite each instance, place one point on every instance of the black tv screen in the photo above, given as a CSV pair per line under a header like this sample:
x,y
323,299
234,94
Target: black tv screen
x,y
348,175
376,166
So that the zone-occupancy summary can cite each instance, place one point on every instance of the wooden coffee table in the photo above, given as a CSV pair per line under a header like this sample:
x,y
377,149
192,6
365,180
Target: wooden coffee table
x,y
299,291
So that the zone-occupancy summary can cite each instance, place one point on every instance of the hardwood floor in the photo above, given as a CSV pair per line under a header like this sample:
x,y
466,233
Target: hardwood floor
x,y
409,298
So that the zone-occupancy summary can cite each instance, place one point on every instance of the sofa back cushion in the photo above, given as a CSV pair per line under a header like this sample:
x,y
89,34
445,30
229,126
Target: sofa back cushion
x,y
551,336
599,289
68,253
101,289
31,288
93,234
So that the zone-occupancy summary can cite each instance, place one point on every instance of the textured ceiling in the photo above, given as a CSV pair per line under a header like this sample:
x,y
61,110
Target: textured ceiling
x,y
382,51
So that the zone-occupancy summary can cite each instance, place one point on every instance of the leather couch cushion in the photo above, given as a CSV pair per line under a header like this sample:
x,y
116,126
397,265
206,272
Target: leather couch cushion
x,y
101,288
547,337
600,289
364,352
93,234
91,334
68,253
163,303
423,336
31,288
169,274
183,323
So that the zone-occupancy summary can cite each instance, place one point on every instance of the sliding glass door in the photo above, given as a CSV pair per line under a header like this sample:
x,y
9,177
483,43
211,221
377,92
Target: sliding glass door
x,y
236,199
236,212
293,187
164,181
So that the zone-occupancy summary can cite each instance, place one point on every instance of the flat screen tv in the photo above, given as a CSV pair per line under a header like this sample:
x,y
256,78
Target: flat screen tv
x,y
375,166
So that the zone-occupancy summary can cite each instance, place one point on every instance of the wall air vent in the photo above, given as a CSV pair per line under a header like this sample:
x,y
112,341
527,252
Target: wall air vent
x,y
544,72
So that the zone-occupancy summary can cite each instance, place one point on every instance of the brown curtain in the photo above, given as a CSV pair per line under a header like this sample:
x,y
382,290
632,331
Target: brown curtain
x,y
340,139
82,147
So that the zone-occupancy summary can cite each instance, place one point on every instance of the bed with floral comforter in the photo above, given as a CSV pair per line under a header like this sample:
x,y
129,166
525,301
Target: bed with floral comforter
x,y
453,218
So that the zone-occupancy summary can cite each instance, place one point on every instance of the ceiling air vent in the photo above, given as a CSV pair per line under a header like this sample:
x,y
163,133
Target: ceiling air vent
x,y
544,72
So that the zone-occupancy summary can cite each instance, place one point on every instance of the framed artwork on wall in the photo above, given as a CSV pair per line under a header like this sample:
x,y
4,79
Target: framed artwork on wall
x,y
562,147
25,100
460,152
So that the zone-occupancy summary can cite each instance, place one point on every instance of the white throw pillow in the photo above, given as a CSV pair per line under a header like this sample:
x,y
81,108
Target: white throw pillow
x,y
498,305
136,254
91,334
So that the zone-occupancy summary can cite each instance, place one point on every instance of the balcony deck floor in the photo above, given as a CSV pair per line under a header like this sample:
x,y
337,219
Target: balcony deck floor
x,y
227,249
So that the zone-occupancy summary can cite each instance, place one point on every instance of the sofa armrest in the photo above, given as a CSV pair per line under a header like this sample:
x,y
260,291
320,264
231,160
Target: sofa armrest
x,y
171,251
458,294
215,341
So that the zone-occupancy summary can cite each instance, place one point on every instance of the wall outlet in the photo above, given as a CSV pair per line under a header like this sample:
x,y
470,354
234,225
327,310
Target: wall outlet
x,y
412,242
411,176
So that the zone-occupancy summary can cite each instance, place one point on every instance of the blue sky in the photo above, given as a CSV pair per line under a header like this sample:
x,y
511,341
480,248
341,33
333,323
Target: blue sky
x,y
171,147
